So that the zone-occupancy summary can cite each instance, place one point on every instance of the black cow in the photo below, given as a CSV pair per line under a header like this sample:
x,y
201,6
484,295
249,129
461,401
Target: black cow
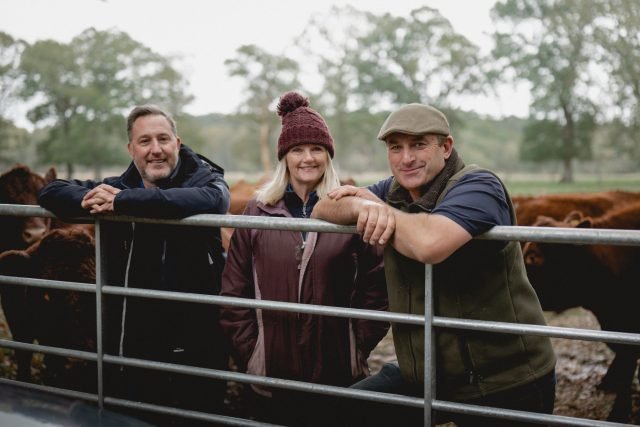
x,y
601,278
57,318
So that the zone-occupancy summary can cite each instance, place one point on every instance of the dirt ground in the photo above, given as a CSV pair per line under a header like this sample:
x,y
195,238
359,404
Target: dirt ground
x,y
581,365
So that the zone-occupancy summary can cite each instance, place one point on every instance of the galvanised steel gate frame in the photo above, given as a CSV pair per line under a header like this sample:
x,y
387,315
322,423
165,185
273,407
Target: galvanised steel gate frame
x,y
430,403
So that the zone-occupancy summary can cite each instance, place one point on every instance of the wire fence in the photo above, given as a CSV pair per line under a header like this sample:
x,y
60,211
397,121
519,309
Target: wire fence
x,y
430,402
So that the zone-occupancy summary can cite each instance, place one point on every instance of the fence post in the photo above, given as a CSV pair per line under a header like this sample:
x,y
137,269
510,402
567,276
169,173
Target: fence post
x,y
100,281
429,345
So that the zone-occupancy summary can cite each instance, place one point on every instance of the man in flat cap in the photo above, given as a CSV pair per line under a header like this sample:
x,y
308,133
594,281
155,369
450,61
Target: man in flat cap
x,y
428,212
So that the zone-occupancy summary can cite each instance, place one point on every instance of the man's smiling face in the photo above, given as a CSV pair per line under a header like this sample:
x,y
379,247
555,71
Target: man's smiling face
x,y
153,148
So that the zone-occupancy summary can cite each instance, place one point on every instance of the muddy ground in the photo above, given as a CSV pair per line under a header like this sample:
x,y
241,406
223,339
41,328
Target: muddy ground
x,y
581,365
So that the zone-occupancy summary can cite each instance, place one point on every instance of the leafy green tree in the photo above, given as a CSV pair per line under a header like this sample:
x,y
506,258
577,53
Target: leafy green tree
x,y
10,81
619,54
50,74
81,91
328,42
266,76
543,140
548,44
217,134
419,58
371,62
191,133
16,145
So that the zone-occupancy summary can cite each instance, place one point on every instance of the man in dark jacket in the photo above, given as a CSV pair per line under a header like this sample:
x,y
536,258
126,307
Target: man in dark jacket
x,y
428,213
164,180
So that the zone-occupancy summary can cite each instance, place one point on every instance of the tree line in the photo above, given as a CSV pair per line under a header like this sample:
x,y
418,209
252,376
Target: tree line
x,y
580,59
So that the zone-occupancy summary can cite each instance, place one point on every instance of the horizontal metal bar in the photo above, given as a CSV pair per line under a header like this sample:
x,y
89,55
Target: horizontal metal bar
x,y
54,390
267,381
591,236
25,210
203,220
58,351
439,405
185,413
265,304
48,284
550,331
246,221
508,414
443,322
221,419
520,233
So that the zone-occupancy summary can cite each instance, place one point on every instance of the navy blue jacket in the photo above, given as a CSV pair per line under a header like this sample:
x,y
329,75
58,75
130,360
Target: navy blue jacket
x,y
162,257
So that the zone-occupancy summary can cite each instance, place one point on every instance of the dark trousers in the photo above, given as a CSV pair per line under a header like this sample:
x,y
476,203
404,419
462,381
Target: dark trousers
x,y
167,389
537,396
294,408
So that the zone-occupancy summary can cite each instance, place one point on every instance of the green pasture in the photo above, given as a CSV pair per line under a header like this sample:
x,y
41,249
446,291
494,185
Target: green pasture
x,y
529,185
532,184
536,187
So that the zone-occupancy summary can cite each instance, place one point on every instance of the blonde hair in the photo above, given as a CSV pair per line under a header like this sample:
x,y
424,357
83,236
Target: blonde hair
x,y
274,190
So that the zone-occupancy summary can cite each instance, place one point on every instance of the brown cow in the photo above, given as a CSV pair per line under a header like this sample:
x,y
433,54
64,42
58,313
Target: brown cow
x,y
241,192
557,206
601,278
53,317
20,186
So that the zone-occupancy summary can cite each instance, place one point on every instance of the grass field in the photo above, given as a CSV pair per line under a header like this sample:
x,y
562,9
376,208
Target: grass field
x,y
517,184
532,184
534,187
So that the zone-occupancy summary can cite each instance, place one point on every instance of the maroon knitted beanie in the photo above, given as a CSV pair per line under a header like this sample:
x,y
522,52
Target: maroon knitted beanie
x,y
301,125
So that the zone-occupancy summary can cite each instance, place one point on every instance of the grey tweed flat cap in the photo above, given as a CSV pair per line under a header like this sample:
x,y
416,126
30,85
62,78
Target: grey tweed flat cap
x,y
415,119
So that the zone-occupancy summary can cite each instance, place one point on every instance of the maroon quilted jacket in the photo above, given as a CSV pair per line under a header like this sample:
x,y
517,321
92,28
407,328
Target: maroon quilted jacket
x,y
335,270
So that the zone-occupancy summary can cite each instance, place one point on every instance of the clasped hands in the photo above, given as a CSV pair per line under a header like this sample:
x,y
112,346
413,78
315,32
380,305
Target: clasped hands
x,y
100,199
376,221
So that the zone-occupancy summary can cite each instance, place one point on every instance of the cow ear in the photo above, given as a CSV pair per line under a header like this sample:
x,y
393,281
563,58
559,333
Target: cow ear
x,y
14,263
544,221
50,175
574,218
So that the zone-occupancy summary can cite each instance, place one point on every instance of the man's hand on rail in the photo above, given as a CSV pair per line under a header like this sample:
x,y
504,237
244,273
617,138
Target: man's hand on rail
x,y
350,190
100,199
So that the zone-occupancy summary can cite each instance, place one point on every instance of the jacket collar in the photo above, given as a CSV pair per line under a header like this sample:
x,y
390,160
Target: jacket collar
x,y
297,207
278,209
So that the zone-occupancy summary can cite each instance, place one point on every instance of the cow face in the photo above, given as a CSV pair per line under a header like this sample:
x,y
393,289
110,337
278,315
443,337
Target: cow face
x,y
20,186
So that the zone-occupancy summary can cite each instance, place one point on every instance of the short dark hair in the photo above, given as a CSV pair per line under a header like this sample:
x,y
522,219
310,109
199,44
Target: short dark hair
x,y
428,137
441,138
147,110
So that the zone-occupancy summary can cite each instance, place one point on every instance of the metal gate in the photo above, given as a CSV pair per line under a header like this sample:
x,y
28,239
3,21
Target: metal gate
x,y
430,403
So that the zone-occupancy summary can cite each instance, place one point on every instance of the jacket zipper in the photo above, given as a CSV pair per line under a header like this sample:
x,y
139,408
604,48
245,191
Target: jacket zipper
x,y
302,246
302,236
474,377
126,285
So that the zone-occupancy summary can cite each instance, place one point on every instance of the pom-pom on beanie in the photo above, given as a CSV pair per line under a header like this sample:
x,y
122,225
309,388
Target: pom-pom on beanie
x,y
301,125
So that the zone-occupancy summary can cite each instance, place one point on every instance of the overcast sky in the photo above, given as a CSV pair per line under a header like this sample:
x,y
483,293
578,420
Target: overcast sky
x,y
206,33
